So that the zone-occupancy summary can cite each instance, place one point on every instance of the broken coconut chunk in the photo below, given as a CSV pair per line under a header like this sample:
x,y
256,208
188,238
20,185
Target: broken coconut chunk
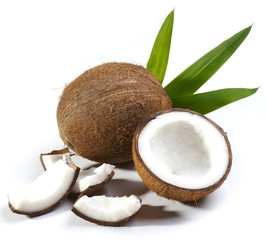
x,y
83,163
107,211
45,192
90,178
48,159
93,179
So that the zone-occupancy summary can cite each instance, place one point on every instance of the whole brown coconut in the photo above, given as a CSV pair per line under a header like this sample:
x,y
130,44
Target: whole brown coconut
x,y
99,111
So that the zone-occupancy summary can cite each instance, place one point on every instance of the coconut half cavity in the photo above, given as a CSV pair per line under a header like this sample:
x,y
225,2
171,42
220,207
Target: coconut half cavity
x,y
46,191
181,154
108,211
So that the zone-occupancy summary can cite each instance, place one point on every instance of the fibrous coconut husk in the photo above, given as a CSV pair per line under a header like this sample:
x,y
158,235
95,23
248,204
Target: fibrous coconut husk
x,y
99,111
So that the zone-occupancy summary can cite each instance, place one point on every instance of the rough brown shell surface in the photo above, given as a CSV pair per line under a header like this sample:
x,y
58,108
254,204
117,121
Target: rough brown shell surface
x,y
99,111
163,188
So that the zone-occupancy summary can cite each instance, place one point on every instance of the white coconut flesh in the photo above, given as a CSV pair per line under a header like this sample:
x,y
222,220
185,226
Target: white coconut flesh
x,y
45,191
93,176
87,177
49,159
184,149
104,209
81,162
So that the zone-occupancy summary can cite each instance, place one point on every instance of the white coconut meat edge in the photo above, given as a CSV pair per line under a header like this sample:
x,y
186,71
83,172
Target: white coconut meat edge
x,y
49,159
108,209
44,191
184,149
93,176
81,162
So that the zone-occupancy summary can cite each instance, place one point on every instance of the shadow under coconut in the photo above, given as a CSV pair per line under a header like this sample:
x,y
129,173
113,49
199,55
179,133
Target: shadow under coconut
x,y
122,187
147,216
150,215
208,202
127,166
9,216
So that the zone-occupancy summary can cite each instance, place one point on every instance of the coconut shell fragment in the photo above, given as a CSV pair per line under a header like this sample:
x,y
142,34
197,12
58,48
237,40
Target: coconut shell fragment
x,y
107,211
99,111
48,159
45,192
93,179
181,155
90,178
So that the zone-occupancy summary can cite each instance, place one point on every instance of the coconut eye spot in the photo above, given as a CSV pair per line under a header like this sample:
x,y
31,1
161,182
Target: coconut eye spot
x,y
182,149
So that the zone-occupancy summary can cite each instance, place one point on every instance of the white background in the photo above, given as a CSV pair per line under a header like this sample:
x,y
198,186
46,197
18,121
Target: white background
x,y
46,44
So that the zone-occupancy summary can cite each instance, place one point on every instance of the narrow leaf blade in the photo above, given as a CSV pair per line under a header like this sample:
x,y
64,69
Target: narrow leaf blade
x,y
191,79
210,101
158,60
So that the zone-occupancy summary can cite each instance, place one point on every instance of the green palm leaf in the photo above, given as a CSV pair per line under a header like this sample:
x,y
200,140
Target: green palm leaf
x,y
210,101
158,60
190,80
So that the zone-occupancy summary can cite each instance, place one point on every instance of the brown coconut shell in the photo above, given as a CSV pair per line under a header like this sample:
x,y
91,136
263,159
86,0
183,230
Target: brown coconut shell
x,y
163,188
99,111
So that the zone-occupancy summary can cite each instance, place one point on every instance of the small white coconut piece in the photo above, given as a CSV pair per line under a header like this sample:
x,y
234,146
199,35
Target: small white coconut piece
x,y
48,159
45,192
92,179
82,163
107,211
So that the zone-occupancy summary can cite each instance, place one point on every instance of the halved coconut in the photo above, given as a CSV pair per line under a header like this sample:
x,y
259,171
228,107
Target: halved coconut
x,y
108,211
45,192
93,179
181,155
